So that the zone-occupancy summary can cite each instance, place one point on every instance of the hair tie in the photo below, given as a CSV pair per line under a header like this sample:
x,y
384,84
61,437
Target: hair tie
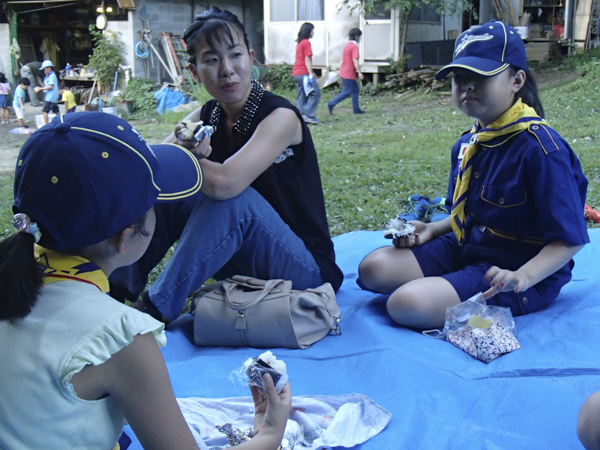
x,y
22,222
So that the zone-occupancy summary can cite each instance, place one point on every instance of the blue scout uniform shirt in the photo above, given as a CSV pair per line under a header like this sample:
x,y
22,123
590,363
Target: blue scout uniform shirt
x,y
52,94
526,190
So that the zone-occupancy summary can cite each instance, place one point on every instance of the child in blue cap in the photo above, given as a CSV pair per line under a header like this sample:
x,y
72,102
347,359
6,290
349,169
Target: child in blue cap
x,y
75,362
516,193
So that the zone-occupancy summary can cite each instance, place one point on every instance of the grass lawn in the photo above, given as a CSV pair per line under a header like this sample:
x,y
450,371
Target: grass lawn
x,y
370,163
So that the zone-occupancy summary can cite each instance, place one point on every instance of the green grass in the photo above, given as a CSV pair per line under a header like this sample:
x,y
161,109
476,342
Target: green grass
x,y
370,163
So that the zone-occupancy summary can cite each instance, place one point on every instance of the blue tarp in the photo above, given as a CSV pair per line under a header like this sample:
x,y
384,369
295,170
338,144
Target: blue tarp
x,y
168,99
439,397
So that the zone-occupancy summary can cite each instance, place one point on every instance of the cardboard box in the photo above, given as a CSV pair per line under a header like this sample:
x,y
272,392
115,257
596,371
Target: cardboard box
x,y
537,51
536,30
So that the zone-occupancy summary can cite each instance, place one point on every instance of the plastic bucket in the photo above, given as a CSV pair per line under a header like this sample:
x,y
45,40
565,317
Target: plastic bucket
x,y
110,110
523,32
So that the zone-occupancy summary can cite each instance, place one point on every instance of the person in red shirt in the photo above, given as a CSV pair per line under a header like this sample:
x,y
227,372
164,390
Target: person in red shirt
x,y
350,67
306,104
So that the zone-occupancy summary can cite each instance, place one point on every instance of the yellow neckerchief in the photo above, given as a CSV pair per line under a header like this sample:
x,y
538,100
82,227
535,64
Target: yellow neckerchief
x,y
60,267
517,118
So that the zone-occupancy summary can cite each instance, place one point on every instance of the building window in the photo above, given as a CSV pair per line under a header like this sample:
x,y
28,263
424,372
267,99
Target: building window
x,y
297,10
424,14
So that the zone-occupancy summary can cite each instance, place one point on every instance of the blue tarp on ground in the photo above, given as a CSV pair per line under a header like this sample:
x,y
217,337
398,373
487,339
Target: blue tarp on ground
x,y
168,99
439,397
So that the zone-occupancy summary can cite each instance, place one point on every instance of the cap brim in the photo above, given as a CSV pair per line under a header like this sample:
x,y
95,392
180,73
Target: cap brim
x,y
481,66
180,173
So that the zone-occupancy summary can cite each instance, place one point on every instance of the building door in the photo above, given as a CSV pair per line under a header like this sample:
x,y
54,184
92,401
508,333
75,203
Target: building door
x,y
380,34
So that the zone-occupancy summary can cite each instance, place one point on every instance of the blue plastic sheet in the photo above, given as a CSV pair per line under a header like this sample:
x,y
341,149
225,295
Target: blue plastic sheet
x,y
439,397
168,99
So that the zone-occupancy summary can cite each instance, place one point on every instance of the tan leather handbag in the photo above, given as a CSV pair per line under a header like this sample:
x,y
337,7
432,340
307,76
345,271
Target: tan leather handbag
x,y
248,312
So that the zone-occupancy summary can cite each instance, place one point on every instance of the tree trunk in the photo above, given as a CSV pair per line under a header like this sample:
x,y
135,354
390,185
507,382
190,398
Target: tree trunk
x,y
404,29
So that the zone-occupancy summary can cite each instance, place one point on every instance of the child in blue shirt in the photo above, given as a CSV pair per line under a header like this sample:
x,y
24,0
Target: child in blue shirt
x,y
19,100
50,90
516,190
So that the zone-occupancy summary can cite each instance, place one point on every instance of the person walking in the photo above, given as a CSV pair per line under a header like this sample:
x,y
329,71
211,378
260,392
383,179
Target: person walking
x,y
307,102
50,88
350,68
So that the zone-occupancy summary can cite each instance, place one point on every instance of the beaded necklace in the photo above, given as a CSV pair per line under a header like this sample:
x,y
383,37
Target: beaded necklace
x,y
242,125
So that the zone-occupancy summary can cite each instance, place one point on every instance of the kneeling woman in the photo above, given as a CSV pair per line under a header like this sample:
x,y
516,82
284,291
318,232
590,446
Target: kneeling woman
x,y
261,211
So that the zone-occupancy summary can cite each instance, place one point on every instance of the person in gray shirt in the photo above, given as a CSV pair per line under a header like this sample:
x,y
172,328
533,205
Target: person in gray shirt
x,y
34,74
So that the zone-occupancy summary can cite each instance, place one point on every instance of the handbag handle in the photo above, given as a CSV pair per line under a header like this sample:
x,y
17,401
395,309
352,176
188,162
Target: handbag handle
x,y
229,287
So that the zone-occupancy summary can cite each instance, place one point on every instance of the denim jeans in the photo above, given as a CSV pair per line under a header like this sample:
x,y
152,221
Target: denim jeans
x,y
307,105
240,236
349,88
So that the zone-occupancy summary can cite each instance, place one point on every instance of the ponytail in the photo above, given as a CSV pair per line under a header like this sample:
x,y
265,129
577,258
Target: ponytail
x,y
20,276
529,92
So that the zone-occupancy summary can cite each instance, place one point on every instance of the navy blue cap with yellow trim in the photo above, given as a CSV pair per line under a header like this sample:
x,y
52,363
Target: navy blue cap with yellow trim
x,y
86,176
488,50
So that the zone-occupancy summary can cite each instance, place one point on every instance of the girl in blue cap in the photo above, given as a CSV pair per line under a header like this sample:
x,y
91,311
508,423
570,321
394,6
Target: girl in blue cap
x,y
75,362
516,193
261,212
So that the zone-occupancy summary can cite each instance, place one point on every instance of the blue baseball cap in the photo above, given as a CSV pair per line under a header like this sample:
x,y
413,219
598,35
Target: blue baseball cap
x,y
488,50
87,176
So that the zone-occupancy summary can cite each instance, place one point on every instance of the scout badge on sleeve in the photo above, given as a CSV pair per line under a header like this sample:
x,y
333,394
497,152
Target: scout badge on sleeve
x,y
484,332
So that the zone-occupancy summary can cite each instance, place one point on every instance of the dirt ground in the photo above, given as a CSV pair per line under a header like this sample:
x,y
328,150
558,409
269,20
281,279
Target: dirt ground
x,y
10,144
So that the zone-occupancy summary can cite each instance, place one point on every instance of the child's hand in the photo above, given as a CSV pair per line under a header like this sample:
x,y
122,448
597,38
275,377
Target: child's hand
x,y
502,280
271,410
421,235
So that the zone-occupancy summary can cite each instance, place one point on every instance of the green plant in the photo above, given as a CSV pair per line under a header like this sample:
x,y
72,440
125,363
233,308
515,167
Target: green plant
x,y
368,89
106,57
398,65
200,94
280,76
140,91
581,58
